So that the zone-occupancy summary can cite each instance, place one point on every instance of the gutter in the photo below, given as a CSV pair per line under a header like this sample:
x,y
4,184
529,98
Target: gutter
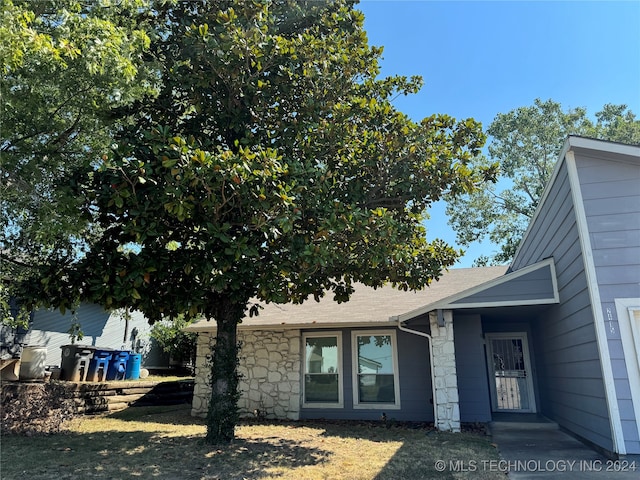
x,y
402,328
204,326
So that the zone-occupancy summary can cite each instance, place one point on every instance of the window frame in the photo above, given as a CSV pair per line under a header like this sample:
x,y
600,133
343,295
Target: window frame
x,y
338,336
628,315
355,375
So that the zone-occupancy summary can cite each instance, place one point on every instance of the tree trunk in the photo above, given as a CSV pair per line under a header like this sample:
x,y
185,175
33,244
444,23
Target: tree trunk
x,y
223,406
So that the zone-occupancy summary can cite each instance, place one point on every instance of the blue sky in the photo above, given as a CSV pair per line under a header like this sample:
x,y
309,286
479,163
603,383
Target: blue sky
x,y
479,58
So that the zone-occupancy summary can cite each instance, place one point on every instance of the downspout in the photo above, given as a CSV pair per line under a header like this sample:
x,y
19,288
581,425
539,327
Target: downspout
x,y
433,378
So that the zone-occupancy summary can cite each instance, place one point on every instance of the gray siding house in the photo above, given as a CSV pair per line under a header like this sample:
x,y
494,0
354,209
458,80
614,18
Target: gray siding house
x,y
556,333
101,328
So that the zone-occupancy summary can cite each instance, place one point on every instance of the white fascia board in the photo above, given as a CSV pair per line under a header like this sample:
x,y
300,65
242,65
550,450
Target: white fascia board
x,y
200,326
615,148
510,303
447,303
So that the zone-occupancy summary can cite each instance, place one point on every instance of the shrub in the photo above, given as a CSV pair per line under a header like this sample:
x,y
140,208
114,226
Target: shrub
x,y
180,345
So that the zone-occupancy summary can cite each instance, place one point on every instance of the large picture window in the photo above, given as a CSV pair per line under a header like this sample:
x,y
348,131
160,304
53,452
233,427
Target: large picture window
x,y
322,370
375,378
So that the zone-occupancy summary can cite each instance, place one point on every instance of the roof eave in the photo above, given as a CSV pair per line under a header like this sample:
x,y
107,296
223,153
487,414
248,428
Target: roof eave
x,y
200,327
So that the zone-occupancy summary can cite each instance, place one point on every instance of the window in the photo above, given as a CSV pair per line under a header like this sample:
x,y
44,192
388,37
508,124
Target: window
x,y
322,370
375,376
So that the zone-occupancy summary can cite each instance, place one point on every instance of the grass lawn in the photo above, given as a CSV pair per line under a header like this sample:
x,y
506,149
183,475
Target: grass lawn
x,y
167,443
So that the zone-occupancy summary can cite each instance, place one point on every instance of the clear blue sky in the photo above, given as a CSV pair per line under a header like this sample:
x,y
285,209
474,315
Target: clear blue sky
x,y
479,58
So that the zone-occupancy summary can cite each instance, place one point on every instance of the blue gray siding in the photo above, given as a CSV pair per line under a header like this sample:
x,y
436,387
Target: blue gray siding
x,y
571,387
415,384
533,286
611,195
473,386
100,328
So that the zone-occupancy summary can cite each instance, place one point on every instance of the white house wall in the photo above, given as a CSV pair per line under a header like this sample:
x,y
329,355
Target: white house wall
x,y
269,369
445,372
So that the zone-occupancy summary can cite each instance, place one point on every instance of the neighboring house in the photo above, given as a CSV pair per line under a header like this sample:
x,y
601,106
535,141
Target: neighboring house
x,y
557,333
100,328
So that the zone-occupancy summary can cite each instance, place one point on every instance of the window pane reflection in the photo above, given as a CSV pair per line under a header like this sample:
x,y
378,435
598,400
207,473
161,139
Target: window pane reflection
x,y
376,382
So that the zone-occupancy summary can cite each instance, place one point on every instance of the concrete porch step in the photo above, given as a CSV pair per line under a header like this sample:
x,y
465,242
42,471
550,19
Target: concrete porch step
x,y
519,426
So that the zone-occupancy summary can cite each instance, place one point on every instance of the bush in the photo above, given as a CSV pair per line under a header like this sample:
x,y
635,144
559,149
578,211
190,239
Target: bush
x,y
36,408
180,345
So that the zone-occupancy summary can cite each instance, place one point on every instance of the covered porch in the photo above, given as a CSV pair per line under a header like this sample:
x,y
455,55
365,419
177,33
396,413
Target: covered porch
x,y
486,338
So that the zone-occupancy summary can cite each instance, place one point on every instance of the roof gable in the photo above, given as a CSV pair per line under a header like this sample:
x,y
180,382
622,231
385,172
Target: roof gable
x,y
601,149
532,285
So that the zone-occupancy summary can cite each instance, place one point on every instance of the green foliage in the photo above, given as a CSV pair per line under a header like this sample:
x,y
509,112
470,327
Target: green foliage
x,y
616,123
67,68
526,143
281,191
75,329
271,164
12,315
171,338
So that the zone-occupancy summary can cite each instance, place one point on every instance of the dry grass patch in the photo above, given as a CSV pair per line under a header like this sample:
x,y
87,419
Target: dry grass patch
x,y
167,443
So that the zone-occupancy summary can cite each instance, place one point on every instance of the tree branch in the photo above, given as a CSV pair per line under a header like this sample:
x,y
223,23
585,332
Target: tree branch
x,y
507,204
12,260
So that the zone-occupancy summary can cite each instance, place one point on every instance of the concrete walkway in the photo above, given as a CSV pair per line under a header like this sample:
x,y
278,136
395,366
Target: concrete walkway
x,y
541,451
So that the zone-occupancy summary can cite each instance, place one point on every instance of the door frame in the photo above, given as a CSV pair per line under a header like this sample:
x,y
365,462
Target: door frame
x,y
489,336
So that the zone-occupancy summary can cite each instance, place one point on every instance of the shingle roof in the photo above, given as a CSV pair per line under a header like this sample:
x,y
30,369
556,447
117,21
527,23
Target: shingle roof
x,y
366,306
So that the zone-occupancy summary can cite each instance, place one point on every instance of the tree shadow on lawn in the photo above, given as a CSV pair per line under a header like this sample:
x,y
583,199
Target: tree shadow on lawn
x,y
137,454
411,450
168,414
370,429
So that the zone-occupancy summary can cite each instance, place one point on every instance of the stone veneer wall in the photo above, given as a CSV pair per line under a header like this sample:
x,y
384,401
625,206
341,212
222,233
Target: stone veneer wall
x,y
270,373
444,370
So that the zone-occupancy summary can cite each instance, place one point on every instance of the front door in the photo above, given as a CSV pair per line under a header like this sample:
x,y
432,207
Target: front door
x,y
510,372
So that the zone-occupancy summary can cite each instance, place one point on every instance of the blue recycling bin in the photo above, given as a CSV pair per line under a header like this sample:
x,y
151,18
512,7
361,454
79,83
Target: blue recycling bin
x,y
118,365
99,365
133,366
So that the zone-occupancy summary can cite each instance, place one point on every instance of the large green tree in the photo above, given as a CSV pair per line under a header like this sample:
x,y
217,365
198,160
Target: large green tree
x,y
67,68
525,143
273,165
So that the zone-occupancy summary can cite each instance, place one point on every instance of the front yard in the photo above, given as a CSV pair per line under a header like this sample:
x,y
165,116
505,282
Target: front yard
x,y
167,443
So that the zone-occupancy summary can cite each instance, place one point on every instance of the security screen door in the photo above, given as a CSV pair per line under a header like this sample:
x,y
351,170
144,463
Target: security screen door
x,y
510,372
